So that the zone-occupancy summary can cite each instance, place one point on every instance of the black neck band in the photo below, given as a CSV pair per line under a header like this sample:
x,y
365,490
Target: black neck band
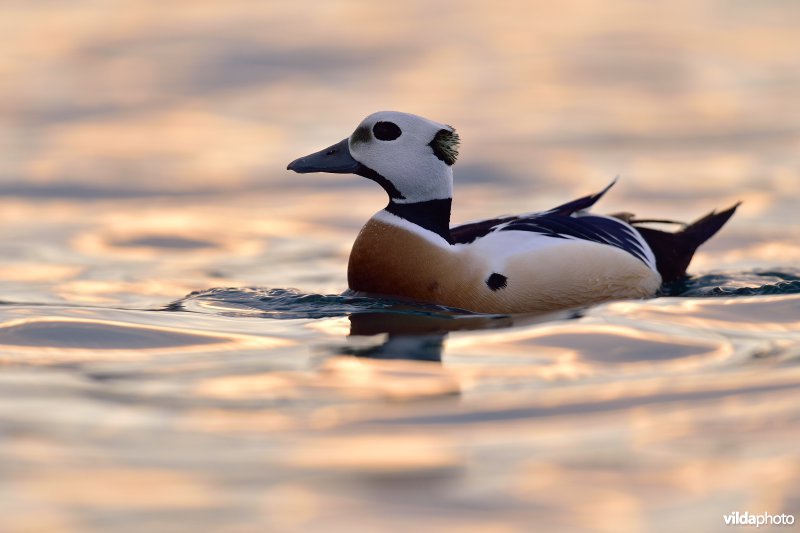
x,y
433,215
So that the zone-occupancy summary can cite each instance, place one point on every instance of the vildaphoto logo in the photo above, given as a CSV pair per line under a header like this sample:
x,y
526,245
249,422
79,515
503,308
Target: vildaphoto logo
x,y
764,519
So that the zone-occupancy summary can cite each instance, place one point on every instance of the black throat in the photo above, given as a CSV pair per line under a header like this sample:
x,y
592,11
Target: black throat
x,y
433,215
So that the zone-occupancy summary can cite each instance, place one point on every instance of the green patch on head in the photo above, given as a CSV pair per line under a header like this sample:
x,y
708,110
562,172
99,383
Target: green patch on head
x,y
445,145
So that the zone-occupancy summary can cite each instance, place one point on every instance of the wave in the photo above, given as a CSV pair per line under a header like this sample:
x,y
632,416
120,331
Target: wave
x,y
284,303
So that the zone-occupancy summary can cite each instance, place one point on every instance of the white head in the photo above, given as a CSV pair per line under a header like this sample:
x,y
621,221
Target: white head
x,y
411,157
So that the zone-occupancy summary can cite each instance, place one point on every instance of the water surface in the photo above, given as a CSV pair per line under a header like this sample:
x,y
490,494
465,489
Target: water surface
x,y
177,352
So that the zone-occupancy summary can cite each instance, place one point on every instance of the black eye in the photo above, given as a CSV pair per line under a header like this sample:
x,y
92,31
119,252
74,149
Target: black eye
x,y
386,131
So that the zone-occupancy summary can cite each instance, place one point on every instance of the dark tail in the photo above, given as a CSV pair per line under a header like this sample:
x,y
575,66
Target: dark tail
x,y
674,251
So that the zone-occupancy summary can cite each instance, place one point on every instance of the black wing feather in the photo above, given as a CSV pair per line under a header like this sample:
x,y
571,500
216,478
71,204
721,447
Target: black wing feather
x,y
672,251
588,228
580,204
466,233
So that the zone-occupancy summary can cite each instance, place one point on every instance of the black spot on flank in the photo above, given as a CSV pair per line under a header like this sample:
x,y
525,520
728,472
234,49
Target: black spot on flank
x,y
445,146
496,281
386,131
361,135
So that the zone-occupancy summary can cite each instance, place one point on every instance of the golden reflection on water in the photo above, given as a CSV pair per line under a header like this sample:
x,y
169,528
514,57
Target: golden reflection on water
x,y
570,351
134,488
775,313
379,454
30,272
181,97
780,252
48,340
144,146
347,376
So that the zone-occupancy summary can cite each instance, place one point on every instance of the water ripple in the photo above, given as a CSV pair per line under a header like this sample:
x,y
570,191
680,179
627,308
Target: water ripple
x,y
280,303
751,283
294,304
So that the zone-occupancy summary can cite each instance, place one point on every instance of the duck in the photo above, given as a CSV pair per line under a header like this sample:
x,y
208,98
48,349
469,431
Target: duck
x,y
565,257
